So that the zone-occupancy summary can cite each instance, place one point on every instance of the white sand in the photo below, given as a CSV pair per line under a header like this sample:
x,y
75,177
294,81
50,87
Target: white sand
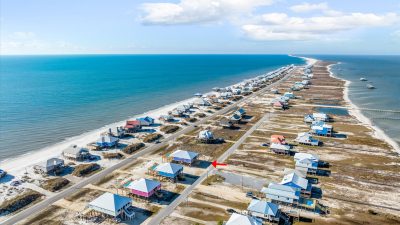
x,y
16,166
356,112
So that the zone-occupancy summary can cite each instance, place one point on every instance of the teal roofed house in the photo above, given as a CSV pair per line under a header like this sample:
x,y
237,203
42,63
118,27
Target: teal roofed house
x,y
169,170
263,209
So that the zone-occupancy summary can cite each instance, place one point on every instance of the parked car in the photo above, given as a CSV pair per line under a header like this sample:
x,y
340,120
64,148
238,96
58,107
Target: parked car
x,y
249,194
15,183
230,211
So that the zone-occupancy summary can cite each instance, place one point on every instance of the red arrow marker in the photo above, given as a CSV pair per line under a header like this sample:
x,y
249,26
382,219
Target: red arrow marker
x,y
215,164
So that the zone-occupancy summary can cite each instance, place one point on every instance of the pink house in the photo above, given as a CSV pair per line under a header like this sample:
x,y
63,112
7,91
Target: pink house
x,y
144,187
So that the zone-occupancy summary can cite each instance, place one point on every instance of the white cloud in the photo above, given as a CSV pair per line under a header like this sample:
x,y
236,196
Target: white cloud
x,y
307,7
396,34
22,42
280,26
198,11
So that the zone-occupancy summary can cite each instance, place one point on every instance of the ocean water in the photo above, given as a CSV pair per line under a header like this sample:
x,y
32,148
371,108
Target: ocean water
x,y
47,99
383,72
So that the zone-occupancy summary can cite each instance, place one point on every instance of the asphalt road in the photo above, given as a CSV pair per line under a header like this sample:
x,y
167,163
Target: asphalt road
x,y
96,177
211,170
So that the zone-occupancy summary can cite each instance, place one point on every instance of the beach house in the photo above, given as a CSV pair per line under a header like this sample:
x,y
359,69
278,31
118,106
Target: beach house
x,y
132,126
321,128
145,121
274,91
235,118
206,136
107,141
169,170
278,105
293,180
112,206
305,138
309,118
297,172
239,219
241,112
225,123
289,95
280,149
181,156
118,132
278,139
143,187
320,117
263,209
51,166
282,193
166,118
201,102
307,165
76,153
306,162
177,112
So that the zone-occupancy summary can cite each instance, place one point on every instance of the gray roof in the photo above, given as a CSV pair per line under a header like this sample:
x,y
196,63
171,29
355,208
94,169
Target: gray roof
x,y
109,203
295,179
263,207
281,190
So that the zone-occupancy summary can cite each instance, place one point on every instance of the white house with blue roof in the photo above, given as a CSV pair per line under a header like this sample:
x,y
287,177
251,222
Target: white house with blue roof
x,y
182,156
321,128
112,205
293,180
282,193
146,121
263,209
239,219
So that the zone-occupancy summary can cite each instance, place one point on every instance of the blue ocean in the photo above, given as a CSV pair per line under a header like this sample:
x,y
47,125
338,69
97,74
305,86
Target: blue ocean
x,y
383,72
47,99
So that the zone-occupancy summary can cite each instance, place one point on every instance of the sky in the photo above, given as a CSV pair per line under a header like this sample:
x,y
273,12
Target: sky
x,y
200,27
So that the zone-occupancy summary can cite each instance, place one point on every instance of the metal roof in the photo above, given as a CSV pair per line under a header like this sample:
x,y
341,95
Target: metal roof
x,y
263,207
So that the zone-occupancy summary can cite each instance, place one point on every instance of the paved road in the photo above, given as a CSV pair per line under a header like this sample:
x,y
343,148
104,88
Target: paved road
x,y
210,170
96,177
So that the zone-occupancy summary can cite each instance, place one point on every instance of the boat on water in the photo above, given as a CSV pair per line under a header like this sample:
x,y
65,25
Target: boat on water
x,y
363,79
370,86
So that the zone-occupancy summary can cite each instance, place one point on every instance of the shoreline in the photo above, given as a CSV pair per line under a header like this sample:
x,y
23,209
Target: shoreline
x,y
356,112
17,165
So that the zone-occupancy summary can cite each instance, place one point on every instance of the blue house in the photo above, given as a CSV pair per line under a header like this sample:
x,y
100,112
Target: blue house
x,y
169,170
321,128
146,121
184,156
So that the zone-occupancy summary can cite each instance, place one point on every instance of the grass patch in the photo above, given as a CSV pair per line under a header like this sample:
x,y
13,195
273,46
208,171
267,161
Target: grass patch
x,y
54,184
133,147
20,201
152,137
82,170
213,179
169,129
